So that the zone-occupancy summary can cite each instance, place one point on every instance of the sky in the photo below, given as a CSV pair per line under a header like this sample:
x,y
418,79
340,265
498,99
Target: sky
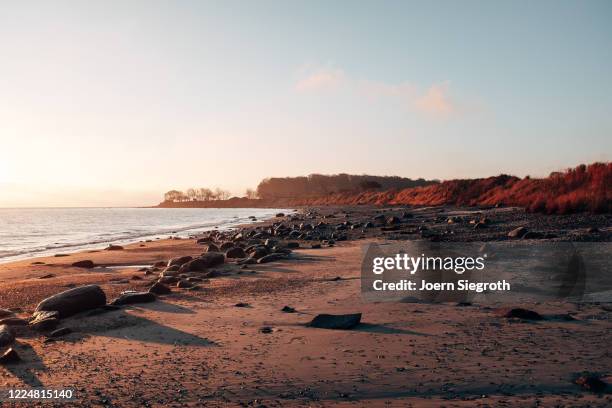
x,y
112,103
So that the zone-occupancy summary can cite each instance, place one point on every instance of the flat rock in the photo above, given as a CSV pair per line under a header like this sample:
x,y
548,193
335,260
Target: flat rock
x,y
84,264
271,258
13,321
179,260
338,322
60,332
205,261
5,313
128,298
235,252
520,313
74,300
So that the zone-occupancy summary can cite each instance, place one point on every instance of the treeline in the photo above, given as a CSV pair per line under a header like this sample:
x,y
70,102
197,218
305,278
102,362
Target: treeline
x,y
580,189
318,185
196,194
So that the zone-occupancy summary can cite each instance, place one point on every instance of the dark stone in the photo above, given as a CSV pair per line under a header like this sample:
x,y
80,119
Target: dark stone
x,y
258,252
293,245
288,309
315,246
128,298
84,264
592,230
159,264
74,300
393,220
242,304
226,245
10,356
184,284
266,330
532,235
480,225
407,215
44,320
7,336
280,215
159,289
60,332
521,313
517,232
339,322
212,248
113,248
205,261
235,252
168,279
5,313
47,276
179,261
591,382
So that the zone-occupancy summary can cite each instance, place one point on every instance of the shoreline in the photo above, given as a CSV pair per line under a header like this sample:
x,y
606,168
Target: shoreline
x,y
241,335
169,233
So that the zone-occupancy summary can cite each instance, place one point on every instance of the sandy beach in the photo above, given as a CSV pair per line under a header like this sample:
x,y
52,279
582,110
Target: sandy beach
x,y
227,342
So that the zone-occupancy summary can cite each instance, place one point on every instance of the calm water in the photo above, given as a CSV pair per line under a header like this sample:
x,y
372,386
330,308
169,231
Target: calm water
x,y
43,231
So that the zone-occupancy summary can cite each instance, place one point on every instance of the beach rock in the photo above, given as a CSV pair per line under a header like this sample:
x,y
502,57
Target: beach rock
x,y
315,246
293,245
235,252
5,313
592,230
272,258
591,382
288,309
159,264
480,225
47,276
179,261
7,336
60,332
212,248
226,245
10,356
169,280
205,261
13,321
128,298
184,284
517,232
379,217
74,300
113,248
44,320
280,215
266,330
407,215
242,304
159,289
532,235
84,264
393,220
339,322
520,313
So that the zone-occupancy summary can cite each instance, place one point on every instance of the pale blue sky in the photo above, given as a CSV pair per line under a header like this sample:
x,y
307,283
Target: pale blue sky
x,y
129,99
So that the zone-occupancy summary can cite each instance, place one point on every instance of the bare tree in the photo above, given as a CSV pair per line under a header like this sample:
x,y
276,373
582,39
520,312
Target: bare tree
x,y
251,194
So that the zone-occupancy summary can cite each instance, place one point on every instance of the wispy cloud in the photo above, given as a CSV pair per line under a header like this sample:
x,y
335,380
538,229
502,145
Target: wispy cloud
x,y
434,100
320,79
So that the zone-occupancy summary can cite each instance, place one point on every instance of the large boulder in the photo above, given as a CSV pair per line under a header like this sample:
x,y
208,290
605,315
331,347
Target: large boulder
x,y
205,261
74,300
338,322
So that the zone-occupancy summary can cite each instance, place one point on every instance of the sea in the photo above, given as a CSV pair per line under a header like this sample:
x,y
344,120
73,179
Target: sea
x,y
32,232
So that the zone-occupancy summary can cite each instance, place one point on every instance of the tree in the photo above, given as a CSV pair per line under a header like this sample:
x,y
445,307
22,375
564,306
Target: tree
x,y
221,194
191,194
172,195
251,194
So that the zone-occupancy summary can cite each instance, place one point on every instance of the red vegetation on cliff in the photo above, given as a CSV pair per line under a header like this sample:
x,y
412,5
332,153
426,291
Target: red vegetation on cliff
x,y
584,188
